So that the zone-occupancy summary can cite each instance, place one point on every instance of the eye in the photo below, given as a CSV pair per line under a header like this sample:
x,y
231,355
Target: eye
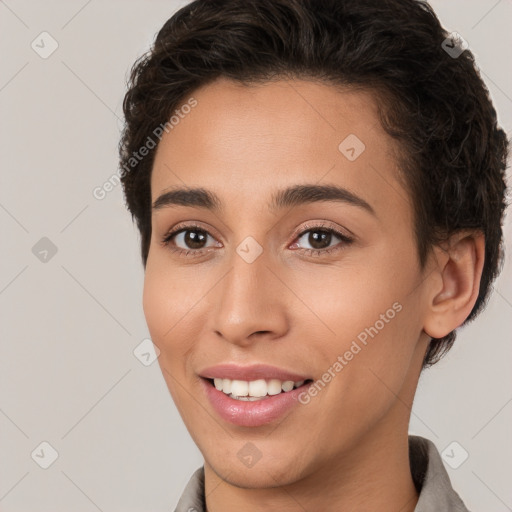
x,y
321,238
189,240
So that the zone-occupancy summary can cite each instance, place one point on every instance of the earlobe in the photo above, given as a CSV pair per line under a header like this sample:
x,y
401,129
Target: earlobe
x,y
460,270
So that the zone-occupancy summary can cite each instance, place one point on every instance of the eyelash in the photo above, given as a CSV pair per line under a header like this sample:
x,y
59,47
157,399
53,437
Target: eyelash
x,y
192,253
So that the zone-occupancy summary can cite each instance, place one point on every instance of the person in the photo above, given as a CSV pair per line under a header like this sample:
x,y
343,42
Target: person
x,y
319,189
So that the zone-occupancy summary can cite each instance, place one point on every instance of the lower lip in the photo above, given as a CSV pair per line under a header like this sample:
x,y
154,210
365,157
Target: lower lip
x,y
251,414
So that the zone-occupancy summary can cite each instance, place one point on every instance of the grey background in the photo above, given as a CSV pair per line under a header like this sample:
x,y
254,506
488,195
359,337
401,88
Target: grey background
x,y
69,325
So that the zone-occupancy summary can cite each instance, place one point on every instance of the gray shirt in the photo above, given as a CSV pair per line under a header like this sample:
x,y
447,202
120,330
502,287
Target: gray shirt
x,y
428,472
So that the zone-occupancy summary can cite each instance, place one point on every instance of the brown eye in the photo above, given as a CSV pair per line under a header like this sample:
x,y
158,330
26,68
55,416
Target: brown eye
x,y
322,240
194,239
318,238
189,238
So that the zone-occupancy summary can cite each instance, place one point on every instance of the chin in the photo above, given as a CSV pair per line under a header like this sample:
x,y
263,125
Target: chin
x,y
235,465
260,476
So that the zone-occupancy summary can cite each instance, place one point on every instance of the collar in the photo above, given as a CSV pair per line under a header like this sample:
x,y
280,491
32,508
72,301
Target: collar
x,y
427,469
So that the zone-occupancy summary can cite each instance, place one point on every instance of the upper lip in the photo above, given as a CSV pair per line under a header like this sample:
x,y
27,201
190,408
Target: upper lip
x,y
251,372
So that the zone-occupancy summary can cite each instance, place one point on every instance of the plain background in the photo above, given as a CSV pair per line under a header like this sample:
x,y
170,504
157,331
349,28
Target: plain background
x,y
69,325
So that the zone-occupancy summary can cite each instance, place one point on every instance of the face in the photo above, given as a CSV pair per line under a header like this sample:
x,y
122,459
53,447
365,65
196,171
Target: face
x,y
260,287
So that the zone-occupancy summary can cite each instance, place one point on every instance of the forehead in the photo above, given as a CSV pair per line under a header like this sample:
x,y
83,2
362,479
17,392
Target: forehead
x,y
246,141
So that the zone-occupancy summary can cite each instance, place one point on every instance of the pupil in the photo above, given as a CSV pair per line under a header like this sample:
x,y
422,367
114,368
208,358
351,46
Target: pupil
x,y
194,239
321,236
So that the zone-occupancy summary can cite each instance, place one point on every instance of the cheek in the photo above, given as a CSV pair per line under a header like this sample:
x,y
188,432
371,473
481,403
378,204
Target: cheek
x,y
376,379
168,298
373,324
347,300
166,318
155,304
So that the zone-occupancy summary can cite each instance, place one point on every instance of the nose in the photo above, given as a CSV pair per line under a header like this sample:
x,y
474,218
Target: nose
x,y
250,303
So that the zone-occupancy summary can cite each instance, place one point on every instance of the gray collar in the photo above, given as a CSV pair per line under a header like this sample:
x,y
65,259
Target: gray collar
x,y
431,479
427,468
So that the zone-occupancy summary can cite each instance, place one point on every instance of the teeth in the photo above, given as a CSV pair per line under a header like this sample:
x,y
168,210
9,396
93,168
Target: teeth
x,y
226,384
254,389
287,385
274,387
238,387
257,388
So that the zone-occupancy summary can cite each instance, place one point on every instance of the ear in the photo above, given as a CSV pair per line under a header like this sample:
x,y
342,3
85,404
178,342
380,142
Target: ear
x,y
455,283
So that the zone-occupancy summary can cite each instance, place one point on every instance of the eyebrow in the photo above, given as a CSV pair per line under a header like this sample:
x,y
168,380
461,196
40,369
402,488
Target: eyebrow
x,y
290,197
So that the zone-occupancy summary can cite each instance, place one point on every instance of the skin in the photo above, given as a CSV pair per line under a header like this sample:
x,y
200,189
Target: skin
x,y
347,449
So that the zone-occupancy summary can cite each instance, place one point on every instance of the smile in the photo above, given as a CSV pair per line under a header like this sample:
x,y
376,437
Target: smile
x,y
255,389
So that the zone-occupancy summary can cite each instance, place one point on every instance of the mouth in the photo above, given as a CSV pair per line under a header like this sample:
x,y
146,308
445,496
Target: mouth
x,y
255,390
234,402
252,395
